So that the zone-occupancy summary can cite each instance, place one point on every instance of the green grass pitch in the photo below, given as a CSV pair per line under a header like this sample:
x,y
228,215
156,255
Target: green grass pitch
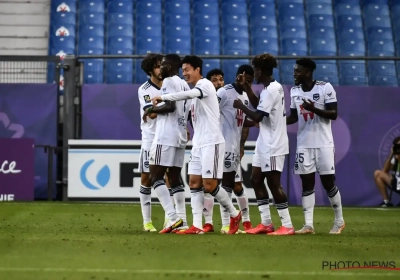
x,y
100,241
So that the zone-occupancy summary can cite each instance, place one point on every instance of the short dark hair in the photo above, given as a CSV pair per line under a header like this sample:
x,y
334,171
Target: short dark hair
x,y
150,61
214,72
245,68
265,62
307,63
195,61
396,140
175,60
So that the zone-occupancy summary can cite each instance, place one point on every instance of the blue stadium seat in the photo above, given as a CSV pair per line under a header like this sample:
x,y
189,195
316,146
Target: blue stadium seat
x,y
230,66
119,44
120,18
93,71
148,44
381,68
319,8
177,31
320,20
292,32
377,21
262,20
236,46
206,31
376,33
376,10
210,64
62,30
63,18
95,42
92,18
265,45
292,20
205,7
327,33
264,31
286,68
177,20
235,31
354,68
63,6
383,81
354,2
234,8
347,9
322,47
200,19
349,21
294,46
86,30
119,77
353,80
290,9
350,33
62,42
119,65
91,7
380,47
90,50
146,30
120,30
237,19
93,77
148,7
140,75
286,1
351,47
366,2
120,6
181,45
261,8
327,71
318,1
206,45
177,8
148,19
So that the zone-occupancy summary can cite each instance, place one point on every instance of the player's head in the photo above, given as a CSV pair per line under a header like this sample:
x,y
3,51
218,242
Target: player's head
x,y
263,65
216,76
249,72
170,65
151,65
192,68
303,70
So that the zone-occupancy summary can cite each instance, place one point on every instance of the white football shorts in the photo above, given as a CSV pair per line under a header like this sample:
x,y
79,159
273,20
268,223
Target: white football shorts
x,y
207,161
268,163
164,155
310,160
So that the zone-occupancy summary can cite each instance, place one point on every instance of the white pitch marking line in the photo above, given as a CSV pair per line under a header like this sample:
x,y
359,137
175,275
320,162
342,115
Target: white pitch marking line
x,y
155,271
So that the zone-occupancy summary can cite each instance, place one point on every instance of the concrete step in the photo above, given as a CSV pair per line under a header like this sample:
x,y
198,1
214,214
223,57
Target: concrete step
x,y
15,7
26,20
24,51
23,31
23,43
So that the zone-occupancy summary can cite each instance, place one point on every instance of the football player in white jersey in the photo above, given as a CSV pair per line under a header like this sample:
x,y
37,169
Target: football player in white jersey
x,y
207,156
168,148
271,147
216,76
151,66
314,106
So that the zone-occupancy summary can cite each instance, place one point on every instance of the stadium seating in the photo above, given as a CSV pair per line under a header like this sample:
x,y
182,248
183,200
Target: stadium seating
x,y
231,27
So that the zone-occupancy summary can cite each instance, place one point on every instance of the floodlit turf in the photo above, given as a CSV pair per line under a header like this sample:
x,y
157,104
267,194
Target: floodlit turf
x,y
77,241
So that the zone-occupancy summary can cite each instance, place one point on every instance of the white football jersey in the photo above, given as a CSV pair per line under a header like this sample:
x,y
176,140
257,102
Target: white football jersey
x,y
232,119
205,116
313,131
145,93
171,127
273,138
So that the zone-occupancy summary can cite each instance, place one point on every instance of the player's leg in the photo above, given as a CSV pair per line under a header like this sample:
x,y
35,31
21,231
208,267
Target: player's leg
x,y
228,183
305,166
166,219
177,187
196,193
145,190
325,159
262,196
160,160
242,199
276,164
208,211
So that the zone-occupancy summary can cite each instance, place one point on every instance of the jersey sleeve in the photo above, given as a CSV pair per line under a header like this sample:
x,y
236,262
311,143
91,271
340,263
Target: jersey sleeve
x,y
144,99
330,94
168,87
221,94
204,88
267,102
292,103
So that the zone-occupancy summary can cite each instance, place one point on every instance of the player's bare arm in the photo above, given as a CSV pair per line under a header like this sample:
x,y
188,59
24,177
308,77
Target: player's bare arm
x,y
241,79
330,111
293,118
388,165
168,107
243,139
256,116
249,123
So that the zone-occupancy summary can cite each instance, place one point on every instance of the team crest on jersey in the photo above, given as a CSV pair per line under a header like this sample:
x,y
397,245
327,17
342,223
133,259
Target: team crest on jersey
x,y
315,96
147,98
246,102
146,164
181,121
228,163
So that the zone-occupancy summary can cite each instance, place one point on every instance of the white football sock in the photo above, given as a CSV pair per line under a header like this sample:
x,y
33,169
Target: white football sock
x,y
223,198
179,197
165,200
243,203
283,212
225,218
336,202
208,208
265,213
145,203
308,202
197,202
